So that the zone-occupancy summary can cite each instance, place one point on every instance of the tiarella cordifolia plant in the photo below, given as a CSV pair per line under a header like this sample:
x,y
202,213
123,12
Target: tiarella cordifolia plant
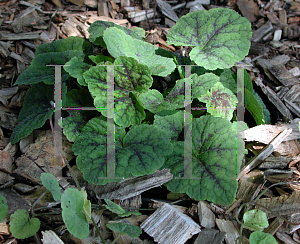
x,y
149,123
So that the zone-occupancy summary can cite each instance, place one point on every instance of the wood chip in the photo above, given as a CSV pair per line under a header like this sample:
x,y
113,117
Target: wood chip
x,y
20,36
169,225
261,32
231,232
249,9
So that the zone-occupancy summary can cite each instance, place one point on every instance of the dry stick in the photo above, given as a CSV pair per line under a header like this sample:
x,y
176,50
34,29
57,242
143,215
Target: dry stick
x,y
266,152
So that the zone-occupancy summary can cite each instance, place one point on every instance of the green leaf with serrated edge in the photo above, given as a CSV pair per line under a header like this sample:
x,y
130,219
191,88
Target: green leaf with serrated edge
x,y
61,45
21,226
228,80
113,207
170,122
73,124
266,112
3,208
139,31
100,58
36,110
215,160
220,37
87,207
51,184
259,237
220,101
123,228
76,67
154,101
131,79
248,81
120,44
255,219
253,106
240,126
97,29
38,71
141,151
72,202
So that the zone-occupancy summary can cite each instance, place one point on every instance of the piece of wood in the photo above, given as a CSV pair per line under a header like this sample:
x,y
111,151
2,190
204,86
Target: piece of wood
x,y
273,98
207,218
132,186
208,236
249,9
266,152
261,32
137,16
20,36
231,232
167,10
292,99
169,225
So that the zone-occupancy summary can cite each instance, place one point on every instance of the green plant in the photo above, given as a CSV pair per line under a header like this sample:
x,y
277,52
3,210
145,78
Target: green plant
x,y
149,123
76,213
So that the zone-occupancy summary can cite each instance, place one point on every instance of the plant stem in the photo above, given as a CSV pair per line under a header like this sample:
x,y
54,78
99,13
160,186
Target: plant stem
x,y
98,231
115,240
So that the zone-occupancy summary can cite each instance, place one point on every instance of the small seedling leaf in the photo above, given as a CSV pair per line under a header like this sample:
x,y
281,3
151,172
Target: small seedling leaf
x,y
220,37
259,237
72,202
255,219
3,208
87,207
21,226
113,207
51,184
122,228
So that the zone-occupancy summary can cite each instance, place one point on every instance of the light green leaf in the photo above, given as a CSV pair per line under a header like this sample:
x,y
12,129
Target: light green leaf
x,y
36,110
3,208
170,123
215,160
254,107
87,207
154,101
141,151
72,202
220,101
120,44
116,208
131,79
220,37
122,228
259,237
51,184
255,219
76,67
98,27
21,226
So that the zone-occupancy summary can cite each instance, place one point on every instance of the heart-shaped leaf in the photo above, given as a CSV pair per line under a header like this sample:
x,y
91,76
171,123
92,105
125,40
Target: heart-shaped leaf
x,y
220,37
21,226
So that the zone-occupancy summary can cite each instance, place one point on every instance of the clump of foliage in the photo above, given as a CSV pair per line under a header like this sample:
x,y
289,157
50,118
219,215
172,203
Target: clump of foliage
x,y
149,123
